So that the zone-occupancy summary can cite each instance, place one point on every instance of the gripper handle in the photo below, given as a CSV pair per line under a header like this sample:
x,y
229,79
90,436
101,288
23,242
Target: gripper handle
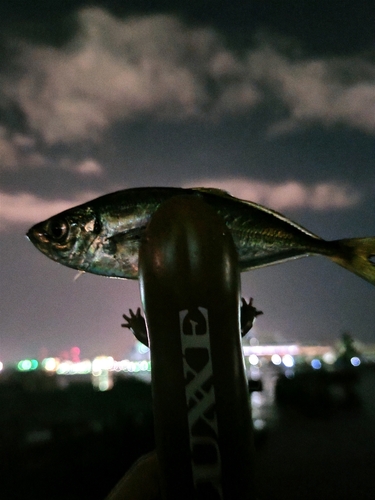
x,y
190,288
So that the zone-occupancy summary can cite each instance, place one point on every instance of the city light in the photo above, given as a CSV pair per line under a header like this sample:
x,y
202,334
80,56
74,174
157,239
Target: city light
x,y
276,359
355,361
288,360
26,365
255,354
102,363
142,349
316,364
329,358
96,367
69,368
269,350
50,364
253,359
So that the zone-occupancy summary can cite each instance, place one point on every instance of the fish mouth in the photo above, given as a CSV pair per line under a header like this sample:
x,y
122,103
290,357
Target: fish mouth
x,y
41,240
37,235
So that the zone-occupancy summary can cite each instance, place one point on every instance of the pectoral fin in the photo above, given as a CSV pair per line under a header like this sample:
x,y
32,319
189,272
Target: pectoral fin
x,y
127,236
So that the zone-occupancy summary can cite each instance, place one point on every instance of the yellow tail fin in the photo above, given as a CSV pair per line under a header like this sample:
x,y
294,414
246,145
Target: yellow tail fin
x,y
357,255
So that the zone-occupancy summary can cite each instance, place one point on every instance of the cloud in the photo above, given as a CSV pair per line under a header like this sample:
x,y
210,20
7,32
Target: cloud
x,y
25,208
287,195
17,149
8,151
89,167
122,69
325,90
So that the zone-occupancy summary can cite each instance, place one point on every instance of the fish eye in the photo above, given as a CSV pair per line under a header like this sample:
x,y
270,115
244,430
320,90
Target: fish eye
x,y
58,229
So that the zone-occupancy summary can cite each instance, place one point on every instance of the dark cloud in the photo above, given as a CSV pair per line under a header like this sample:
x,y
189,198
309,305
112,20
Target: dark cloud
x,y
50,22
322,27
158,67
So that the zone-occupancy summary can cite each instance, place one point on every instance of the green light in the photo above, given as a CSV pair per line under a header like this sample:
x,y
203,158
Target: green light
x,y
24,365
34,364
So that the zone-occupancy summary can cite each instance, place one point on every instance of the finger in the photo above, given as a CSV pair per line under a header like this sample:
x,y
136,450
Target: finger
x,y
141,482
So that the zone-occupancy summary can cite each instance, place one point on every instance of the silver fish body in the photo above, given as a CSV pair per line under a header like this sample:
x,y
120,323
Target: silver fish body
x,y
103,235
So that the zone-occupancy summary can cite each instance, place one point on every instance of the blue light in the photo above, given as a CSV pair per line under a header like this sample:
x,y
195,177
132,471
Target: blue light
x,y
142,349
316,364
355,361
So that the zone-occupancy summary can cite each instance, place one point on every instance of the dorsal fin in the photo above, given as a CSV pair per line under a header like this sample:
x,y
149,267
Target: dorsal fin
x,y
217,191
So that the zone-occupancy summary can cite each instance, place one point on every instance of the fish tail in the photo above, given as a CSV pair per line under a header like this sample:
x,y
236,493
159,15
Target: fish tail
x,y
357,255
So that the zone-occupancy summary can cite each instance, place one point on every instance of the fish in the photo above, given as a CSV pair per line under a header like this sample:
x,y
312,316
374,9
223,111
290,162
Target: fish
x,y
103,236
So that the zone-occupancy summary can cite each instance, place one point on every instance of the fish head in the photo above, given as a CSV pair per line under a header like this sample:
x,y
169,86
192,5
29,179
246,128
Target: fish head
x,y
79,239
67,237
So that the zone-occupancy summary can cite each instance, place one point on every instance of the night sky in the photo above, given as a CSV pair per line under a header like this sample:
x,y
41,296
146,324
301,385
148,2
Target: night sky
x,y
272,101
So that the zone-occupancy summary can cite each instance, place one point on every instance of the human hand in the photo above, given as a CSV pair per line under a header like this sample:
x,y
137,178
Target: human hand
x,y
141,482
248,315
137,325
